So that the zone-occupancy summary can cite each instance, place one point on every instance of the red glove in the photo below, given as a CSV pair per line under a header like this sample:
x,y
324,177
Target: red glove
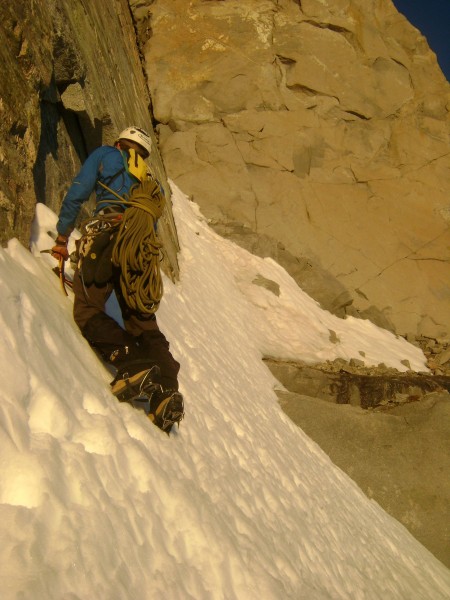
x,y
60,248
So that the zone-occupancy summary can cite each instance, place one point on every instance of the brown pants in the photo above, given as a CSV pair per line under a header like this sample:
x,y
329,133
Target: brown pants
x,y
141,332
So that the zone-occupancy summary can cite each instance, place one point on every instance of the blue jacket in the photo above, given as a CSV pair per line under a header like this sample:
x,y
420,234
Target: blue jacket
x,y
105,164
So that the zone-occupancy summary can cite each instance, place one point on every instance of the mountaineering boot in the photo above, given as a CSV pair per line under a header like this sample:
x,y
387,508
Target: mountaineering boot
x,y
140,385
166,408
133,382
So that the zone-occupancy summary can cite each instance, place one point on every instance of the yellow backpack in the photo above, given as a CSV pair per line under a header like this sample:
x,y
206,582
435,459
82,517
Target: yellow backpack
x,y
135,164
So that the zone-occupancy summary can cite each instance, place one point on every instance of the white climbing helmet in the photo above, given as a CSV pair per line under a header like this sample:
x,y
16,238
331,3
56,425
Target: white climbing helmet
x,y
137,135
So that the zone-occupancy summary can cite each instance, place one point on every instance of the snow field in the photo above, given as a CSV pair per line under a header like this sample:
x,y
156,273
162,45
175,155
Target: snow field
x,y
239,503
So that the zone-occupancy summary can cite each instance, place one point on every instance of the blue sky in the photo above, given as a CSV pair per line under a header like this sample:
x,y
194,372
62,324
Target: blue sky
x,y
432,18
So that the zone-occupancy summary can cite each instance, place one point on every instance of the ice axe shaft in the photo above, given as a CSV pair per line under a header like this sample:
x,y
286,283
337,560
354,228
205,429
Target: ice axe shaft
x,y
59,271
62,278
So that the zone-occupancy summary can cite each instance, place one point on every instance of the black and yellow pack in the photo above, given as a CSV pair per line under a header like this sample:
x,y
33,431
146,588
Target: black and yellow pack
x,y
135,164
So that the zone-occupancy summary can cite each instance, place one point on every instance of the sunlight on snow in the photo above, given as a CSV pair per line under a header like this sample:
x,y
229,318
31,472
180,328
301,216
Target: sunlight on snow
x,y
238,503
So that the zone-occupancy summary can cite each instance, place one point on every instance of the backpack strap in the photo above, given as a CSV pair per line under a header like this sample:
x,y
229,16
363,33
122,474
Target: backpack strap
x,y
107,183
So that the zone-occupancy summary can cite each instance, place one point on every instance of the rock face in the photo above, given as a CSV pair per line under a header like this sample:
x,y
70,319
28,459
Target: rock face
x,y
315,132
367,388
71,79
397,456
387,430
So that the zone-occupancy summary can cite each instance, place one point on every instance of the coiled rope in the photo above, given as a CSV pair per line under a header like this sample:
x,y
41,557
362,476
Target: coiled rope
x,y
136,250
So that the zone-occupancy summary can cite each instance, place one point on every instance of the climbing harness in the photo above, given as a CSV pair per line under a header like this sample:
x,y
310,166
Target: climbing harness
x,y
95,248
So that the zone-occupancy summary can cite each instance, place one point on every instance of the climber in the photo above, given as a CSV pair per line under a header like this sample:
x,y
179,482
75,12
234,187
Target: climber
x,y
146,371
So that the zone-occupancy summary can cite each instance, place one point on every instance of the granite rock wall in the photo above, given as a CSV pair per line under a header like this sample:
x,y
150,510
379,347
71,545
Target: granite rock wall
x,y
317,133
71,79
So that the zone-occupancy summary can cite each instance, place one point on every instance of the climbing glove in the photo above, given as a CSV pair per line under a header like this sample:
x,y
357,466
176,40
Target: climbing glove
x,y
59,250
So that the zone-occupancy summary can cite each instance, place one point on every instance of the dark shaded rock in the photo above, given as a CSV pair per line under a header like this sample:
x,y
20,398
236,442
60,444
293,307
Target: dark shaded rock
x,y
351,383
71,79
398,456
268,284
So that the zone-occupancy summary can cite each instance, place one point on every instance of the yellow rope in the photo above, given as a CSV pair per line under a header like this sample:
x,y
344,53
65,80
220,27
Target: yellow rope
x,y
136,251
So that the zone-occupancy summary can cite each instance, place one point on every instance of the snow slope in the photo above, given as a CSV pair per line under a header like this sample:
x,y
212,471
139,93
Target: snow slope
x,y
96,502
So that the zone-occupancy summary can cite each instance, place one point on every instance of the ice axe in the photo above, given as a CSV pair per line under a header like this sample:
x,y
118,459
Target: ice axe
x,y
59,270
